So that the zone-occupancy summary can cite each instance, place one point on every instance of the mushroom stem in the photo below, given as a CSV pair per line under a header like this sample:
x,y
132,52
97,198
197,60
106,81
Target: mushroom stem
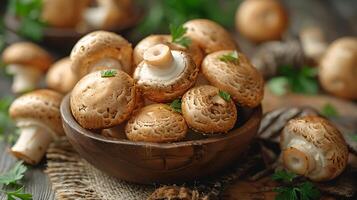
x,y
298,160
95,17
32,144
106,63
25,78
159,56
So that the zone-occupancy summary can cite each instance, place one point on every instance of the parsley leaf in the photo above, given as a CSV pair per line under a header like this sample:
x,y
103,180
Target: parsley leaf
x,y
279,85
328,110
108,73
354,137
177,34
285,176
176,105
225,95
18,194
230,57
14,175
308,191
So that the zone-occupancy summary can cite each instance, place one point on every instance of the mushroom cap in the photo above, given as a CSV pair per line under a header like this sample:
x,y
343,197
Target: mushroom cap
x,y
209,35
243,81
261,20
60,77
338,68
63,13
40,107
164,88
101,102
156,123
320,139
194,50
206,112
99,45
27,54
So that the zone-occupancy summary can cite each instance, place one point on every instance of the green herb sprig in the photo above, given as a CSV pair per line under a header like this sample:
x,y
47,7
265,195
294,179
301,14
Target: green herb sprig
x,y
18,194
328,110
225,95
108,73
176,105
230,57
177,34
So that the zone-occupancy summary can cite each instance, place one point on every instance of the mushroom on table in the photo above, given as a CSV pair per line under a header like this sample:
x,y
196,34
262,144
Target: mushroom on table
x,y
313,42
165,74
37,116
311,146
27,62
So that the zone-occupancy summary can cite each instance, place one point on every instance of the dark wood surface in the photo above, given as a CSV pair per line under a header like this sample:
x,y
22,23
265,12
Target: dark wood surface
x,y
336,17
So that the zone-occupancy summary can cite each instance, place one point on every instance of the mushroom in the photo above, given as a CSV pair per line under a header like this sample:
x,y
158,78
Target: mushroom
x,y
311,146
209,35
101,49
313,42
194,50
60,76
37,116
205,111
103,99
261,21
109,14
27,62
338,68
156,123
237,77
165,74
63,13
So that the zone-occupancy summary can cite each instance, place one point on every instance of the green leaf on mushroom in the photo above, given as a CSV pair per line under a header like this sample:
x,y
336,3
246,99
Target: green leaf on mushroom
x,y
108,73
177,34
225,95
13,175
284,176
176,105
328,110
230,57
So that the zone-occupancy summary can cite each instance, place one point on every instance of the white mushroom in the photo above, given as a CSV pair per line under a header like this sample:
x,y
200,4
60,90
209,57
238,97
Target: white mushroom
x,y
27,62
165,74
313,42
37,116
311,146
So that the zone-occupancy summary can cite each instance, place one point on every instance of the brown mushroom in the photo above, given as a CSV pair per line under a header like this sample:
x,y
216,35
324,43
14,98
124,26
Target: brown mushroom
x,y
209,35
261,21
165,74
194,50
205,111
311,146
156,123
338,68
101,49
313,42
27,62
63,13
103,99
37,116
60,76
238,77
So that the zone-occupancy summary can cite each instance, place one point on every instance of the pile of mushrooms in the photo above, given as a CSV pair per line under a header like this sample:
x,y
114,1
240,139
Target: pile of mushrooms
x,y
157,98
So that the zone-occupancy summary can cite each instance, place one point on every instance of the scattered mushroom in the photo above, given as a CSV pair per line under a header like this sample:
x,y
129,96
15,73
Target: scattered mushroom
x,y
165,74
206,111
261,21
313,147
313,43
209,35
338,68
60,76
156,123
101,49
103,99
193,49
232,72
37,116
27,62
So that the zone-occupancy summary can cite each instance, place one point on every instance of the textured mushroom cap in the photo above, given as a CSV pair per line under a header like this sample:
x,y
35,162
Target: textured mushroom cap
x,y
261,20
102,102
209,35
322,140
63,13
164,88
206,112
194,50
243,81
338,68
156,123
39,106
100,45
60,76
27,54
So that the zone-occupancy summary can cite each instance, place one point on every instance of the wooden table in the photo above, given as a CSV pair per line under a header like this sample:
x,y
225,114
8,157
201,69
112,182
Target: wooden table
x,y
336,17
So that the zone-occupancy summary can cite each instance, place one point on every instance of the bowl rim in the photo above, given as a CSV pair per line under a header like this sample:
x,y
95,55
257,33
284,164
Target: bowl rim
x,y
68,119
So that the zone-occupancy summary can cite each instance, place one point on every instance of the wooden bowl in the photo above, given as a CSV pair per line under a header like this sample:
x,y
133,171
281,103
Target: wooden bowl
x,y
144,162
